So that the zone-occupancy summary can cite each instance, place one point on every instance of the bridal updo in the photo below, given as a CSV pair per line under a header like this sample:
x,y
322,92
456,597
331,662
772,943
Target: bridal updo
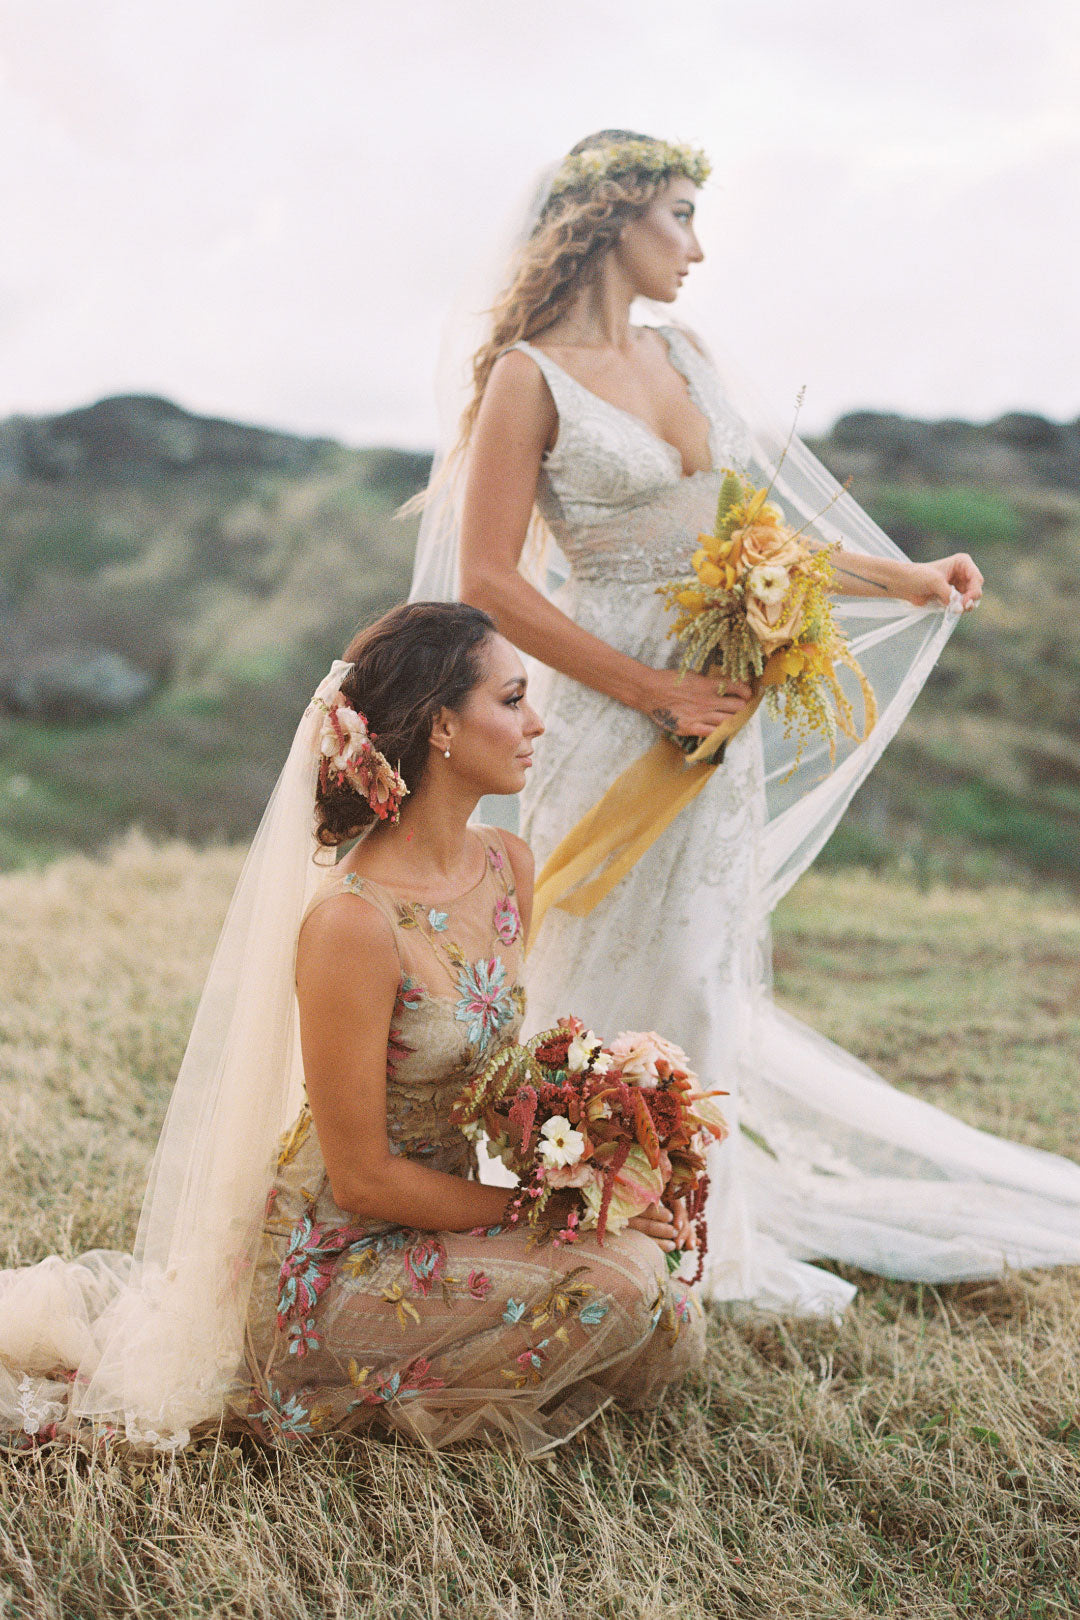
x,y
604,182
415,660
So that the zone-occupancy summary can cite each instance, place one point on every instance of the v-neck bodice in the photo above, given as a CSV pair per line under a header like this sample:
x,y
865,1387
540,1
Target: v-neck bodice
x,y
613,492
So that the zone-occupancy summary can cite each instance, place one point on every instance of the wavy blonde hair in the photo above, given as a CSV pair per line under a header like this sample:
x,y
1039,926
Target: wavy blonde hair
x,y
576,227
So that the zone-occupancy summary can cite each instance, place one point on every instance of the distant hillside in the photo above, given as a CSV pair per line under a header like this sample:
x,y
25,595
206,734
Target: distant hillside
x,y
987,770
171,587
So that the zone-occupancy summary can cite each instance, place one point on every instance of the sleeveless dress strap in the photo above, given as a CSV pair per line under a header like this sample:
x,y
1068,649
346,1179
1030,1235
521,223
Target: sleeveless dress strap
x,y
493,838
560,383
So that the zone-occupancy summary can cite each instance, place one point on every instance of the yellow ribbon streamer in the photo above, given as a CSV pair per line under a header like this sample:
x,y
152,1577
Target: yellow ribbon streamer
x,y
627,821
645,799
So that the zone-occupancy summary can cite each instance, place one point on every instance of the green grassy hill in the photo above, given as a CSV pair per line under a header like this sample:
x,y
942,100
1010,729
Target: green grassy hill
x,y
172,587
985,776
215,586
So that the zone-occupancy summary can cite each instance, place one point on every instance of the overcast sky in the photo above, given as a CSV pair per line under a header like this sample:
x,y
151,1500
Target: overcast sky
x,y
264,209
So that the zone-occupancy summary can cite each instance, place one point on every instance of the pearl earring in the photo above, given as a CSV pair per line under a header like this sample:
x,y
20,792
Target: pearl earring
x,y
446,753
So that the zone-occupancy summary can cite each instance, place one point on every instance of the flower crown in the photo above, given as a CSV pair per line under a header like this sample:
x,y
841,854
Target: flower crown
x,y
348,756
629,157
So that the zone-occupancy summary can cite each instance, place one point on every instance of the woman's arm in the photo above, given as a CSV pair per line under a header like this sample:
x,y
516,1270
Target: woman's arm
x,y
347,979
920,583
516,422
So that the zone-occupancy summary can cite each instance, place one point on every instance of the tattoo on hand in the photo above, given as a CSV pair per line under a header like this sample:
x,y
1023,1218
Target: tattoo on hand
x,y
664,719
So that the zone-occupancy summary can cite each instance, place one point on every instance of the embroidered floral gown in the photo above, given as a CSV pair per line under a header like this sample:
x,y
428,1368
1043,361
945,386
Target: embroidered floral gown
x,y
449,1335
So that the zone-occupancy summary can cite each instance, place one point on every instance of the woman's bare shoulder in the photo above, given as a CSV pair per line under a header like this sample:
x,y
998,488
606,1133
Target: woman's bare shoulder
x,y
517,375
345,926
517,394
520,856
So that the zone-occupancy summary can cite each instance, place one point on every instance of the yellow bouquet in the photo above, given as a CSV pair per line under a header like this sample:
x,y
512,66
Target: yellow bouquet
x,y
757,609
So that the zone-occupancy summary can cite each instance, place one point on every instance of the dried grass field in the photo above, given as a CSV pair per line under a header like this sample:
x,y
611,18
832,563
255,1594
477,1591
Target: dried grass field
x,y
920,1459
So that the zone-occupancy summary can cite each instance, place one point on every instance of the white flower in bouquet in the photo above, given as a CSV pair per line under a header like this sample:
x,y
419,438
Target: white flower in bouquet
x,y
584,1052
769,583
562,1145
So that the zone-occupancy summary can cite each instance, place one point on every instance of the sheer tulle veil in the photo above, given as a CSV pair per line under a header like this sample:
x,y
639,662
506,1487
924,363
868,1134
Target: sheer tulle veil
x,y
895,643
156,1338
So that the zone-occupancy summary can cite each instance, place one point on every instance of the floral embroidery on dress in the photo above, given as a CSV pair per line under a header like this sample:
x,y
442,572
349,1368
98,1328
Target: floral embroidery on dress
x,y
304,1336
486,1003
310,1258
506,920
409,997
439,920
416,1377
530,1363
495,858
425,1262
293,1139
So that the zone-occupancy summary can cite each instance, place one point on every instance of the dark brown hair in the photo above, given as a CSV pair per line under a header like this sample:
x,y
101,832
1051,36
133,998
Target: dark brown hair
x,y
417,659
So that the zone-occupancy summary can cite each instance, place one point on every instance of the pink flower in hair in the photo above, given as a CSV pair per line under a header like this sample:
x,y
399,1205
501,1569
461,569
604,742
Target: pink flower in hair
x,y
348,754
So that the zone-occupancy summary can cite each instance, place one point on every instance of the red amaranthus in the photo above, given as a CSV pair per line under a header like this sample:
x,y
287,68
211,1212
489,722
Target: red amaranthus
x,y
623,1123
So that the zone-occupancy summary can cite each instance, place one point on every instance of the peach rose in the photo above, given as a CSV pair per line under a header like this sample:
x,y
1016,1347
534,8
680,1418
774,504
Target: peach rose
x,y
764,543
772,624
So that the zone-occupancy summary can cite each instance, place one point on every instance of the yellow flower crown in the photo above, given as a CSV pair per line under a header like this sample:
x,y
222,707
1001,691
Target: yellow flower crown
x,y
630,157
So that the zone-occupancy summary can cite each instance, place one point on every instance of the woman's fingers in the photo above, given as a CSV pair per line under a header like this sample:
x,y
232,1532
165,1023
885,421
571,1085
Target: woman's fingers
x,y
967,578
656,1222
685,1235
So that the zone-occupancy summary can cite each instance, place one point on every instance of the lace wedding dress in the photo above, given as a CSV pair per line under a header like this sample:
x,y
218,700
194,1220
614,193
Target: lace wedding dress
x,y
830,1160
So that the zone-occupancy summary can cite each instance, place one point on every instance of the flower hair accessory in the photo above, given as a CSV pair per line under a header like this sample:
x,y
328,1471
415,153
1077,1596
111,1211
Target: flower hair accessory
x,y
348,756
629,157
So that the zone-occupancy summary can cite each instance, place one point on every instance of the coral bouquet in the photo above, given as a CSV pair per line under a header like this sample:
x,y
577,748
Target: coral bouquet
x,y
622,1123
757,609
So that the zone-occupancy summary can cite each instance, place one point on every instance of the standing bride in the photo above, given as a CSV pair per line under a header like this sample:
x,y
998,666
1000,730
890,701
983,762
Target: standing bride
x,y
610,436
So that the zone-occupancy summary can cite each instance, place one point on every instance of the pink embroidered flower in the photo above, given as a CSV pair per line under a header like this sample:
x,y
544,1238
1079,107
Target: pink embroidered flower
x,y
507,921
425,1263
531,1361
417,1376
310,1257
495,859
410,995
479,1284
303,1336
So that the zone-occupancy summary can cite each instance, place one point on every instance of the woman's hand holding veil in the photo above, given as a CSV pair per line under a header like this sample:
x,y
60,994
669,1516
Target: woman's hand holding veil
x,y
936,581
